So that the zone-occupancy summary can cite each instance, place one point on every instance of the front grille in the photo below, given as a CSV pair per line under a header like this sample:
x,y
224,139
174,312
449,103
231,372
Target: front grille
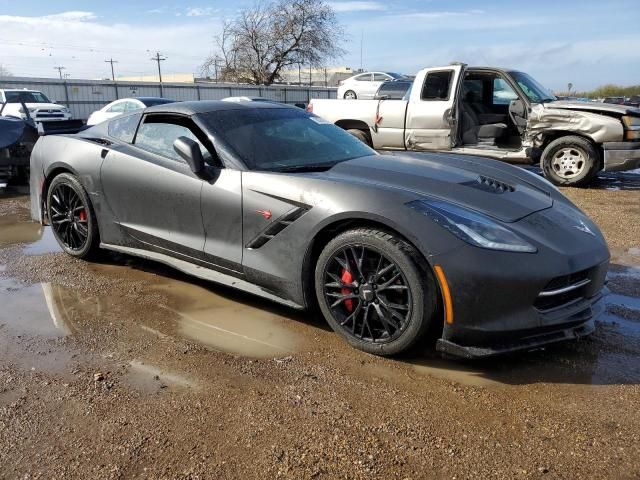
x,y
563,290
49,115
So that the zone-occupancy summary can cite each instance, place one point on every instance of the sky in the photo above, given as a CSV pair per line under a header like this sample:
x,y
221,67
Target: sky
x,y
587,43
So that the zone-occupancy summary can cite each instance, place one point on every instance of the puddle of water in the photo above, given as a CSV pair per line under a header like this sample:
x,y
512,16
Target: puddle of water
x,y
229,326
30,309
152,379
38,239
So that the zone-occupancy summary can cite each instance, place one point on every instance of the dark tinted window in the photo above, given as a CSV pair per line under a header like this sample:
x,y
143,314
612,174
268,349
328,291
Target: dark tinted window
x,y
157,135
26,97
437,85
283,138
393,90
124,128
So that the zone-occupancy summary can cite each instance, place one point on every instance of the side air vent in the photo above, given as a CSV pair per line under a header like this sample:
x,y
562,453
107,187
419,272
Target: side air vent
x,y
276,227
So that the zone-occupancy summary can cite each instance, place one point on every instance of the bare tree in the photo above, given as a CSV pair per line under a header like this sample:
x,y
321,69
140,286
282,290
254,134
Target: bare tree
x,y
269,37
4,72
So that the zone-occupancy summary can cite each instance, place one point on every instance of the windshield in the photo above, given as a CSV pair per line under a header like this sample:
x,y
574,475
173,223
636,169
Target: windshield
x,y
281,139
532,89
26,97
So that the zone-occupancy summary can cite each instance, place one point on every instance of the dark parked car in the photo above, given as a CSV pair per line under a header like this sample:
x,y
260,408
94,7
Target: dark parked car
x,y
483,256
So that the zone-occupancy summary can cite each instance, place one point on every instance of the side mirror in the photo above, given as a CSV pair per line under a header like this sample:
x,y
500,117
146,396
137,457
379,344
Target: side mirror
x,y
189,150
517,108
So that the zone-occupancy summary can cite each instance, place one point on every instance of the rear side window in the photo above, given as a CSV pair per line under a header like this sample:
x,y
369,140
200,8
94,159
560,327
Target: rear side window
x,y
437,85
124,128
393,90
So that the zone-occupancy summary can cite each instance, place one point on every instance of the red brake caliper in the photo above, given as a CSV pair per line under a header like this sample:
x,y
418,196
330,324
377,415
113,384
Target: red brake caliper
x,y
83,216
348,279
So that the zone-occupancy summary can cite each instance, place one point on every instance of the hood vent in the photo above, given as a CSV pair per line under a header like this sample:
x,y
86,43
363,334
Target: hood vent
x,y
276,227
489,184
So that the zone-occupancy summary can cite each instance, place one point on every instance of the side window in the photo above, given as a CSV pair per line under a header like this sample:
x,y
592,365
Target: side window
x,y
502,92
158,137
380,77
117,108
365,77
394,90
437,85
131,106
124,128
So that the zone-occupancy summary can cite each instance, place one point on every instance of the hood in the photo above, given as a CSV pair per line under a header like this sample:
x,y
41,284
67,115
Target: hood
x,y
45,106
496,189
594,107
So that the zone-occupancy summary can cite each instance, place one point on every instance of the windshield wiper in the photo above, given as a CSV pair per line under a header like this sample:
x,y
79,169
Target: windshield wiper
x,y
311,167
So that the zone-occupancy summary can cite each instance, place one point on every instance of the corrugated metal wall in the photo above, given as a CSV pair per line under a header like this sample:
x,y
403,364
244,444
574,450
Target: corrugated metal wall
x,y
86,96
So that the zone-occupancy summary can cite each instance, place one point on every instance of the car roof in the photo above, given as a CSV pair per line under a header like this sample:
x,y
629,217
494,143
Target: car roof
x,y
205,106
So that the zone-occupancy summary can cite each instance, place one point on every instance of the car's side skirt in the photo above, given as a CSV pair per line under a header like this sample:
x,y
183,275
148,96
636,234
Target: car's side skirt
x,y
202,272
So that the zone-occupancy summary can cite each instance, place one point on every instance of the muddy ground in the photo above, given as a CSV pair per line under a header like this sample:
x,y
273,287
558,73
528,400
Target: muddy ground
x,y
125,368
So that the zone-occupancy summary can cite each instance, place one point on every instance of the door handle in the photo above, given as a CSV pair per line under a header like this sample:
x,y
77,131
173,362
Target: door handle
x,y
104,153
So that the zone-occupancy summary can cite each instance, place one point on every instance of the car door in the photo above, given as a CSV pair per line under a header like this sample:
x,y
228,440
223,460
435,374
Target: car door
x,y
152,193
362,85
377,80
431,120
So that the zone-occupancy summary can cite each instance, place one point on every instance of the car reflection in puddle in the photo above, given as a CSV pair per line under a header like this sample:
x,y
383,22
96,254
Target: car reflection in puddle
x,y
201,315
38,239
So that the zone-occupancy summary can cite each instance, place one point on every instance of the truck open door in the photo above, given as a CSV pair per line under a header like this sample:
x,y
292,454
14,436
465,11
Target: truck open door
x,y
432,112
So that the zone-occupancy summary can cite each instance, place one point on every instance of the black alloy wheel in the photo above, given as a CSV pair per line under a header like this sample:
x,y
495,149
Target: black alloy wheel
x,y
71,216
367,293
373,291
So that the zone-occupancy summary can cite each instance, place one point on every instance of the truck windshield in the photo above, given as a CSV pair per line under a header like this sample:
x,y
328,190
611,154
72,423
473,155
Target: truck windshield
x,y
532,89
283,139
26,97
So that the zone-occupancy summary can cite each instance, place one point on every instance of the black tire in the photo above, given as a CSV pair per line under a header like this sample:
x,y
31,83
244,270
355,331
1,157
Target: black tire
x,y
570,161
69,226
350,95
414,290
360,135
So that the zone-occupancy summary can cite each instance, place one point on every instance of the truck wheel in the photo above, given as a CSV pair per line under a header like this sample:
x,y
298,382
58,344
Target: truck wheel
x,y
570,161
361,135
350,95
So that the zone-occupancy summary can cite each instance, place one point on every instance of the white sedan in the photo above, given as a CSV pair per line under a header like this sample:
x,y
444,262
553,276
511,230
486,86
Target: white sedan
x,y
123,105
364,85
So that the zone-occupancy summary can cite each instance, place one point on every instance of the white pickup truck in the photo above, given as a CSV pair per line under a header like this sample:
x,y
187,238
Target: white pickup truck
x,y
40,108
502,114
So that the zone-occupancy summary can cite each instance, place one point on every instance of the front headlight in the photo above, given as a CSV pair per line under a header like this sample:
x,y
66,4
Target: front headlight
x,y
630,121
66,110
472,227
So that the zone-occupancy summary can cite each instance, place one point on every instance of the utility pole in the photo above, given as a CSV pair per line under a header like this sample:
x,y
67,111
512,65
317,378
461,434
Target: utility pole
x,y
361,42
159,58
112,61
60,68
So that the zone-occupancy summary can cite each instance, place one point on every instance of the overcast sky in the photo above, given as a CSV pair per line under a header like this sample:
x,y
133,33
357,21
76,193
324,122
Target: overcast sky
x,y
585,42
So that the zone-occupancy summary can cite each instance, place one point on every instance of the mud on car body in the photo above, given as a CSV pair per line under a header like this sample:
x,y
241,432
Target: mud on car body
x,y
396,251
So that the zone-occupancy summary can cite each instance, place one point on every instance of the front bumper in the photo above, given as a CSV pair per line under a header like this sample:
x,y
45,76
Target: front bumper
x,y
579,325
619,156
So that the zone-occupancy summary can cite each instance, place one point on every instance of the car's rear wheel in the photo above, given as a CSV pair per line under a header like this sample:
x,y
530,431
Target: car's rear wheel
x,y
570,161
374,292
360,135
71,216
350,95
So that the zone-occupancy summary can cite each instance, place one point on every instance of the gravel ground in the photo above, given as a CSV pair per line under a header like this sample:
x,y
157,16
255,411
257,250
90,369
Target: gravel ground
x,y
124,368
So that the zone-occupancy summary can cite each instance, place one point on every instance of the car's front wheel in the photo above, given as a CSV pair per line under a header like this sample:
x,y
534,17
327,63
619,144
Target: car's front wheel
x,y
374,291
570,161
71,216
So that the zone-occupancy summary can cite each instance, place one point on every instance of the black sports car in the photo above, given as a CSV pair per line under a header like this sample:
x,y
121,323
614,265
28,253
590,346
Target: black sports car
x,y
486,257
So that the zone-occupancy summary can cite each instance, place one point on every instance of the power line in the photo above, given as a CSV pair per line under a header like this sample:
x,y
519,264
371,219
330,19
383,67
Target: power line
x,y
60,68
112,61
